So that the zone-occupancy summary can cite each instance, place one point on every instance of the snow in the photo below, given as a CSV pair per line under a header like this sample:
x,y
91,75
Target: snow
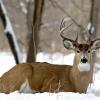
x,y
7,62
56,58
48,96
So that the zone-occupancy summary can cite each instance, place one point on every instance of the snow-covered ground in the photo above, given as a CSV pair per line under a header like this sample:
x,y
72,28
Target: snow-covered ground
x,y
7,62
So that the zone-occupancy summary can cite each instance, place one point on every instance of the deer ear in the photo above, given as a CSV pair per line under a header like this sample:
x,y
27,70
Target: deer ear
x,y
96,44
68,44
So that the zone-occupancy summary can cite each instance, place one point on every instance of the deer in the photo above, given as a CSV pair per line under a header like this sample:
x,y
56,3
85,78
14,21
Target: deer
x,y
45,77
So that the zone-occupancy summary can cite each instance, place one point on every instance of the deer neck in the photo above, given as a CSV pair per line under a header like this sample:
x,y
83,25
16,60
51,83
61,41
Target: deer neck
x,y
80,79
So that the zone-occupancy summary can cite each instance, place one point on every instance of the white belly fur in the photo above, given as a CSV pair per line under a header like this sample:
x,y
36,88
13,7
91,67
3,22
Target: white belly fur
x,y
25,88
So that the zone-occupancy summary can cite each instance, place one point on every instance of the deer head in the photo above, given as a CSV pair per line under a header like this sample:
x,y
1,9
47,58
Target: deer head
x,y
83,51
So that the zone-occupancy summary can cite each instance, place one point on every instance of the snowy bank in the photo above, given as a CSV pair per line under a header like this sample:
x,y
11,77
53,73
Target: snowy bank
x,y
48,96
7,62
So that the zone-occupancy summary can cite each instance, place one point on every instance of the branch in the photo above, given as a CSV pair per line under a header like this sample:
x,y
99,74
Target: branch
x,y
73,2
57,4
52,24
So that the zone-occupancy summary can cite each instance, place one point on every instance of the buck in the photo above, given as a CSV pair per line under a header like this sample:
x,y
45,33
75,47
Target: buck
x,y
44,77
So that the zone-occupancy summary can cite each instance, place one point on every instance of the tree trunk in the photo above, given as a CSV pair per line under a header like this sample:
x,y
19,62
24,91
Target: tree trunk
x,y
10,34
94,18
34,36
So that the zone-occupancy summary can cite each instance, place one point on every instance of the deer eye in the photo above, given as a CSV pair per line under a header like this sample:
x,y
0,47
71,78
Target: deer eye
x,y
88,51
78,51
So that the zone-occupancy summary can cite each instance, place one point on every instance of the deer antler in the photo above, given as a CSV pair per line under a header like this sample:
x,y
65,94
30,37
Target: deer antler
x,y
62,29
91,32
96,42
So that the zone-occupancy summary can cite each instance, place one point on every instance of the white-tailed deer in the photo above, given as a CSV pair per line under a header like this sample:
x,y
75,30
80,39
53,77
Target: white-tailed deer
x,y
45,77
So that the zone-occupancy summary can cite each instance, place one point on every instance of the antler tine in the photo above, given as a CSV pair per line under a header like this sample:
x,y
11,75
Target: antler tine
x,y
76,40
95,40
91,31
62,27
76,37
61,31
62,24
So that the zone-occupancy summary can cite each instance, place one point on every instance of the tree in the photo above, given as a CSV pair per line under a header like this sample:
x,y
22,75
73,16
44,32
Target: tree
x,y
10,33
94,18
33,43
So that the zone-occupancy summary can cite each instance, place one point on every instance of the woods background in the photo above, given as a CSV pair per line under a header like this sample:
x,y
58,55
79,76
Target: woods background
x,y
47,37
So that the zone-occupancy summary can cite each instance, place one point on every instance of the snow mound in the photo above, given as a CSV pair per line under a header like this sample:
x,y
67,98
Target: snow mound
x,y
48,96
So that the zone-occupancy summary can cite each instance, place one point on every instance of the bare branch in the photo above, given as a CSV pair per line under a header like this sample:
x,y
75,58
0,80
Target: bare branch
x,y
52,24
58,5
73,2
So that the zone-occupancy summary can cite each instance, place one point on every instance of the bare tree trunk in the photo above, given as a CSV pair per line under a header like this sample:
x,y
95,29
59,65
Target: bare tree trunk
x,y
9,32
94,18
31,47
34,38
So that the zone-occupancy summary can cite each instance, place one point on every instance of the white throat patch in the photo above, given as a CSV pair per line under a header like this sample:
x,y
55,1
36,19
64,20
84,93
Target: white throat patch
x,y
84,67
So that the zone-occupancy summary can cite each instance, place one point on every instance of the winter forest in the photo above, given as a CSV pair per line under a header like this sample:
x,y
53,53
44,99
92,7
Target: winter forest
x,y
49,50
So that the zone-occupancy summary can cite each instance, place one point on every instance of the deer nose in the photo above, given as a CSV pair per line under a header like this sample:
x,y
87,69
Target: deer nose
x,y
84,60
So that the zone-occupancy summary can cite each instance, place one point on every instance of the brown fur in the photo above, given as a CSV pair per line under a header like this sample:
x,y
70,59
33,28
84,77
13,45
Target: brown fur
x,y
45,77
84,47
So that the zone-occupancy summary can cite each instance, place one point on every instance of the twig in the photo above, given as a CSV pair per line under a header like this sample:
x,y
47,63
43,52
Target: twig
x,y
73,2
52,24
58,5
